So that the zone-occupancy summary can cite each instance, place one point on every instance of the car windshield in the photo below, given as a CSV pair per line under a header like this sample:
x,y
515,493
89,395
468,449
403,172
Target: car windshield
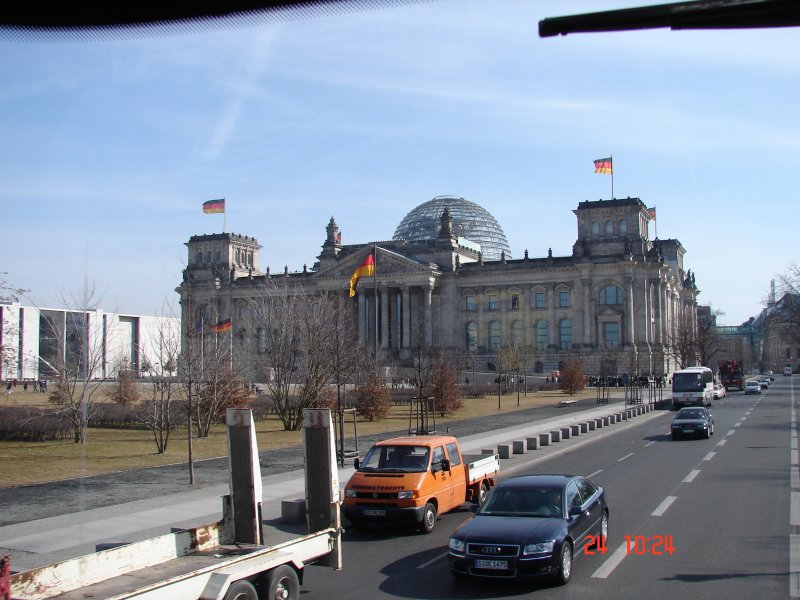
x,y
690,414
403,459
524,502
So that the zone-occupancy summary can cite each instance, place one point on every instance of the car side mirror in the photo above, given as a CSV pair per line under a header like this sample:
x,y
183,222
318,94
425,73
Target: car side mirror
x,y
356,464
574,511
445,465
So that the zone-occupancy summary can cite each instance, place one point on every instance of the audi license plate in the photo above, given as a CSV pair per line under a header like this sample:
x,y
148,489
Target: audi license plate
x,y
374,512
491,564
688,431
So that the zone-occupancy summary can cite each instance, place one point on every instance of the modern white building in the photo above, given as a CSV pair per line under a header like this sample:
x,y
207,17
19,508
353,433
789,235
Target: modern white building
x,y
36,341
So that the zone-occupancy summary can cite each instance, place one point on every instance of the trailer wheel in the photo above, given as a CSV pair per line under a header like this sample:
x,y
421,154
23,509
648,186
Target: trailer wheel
x,y
241,590
283,584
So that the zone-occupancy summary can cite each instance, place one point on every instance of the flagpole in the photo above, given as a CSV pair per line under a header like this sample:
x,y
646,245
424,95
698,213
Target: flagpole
x,y
375,283
612,176
655,220
225,212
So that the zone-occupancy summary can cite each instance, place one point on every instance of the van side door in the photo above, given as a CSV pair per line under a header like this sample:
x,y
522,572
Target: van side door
x,y
458,476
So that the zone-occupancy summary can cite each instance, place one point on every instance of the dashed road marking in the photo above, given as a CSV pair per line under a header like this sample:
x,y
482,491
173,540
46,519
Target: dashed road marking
x,y
690,477
662,508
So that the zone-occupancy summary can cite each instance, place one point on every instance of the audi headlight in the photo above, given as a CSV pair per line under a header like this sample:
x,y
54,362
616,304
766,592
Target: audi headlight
x,y
456,545
350,494
540,548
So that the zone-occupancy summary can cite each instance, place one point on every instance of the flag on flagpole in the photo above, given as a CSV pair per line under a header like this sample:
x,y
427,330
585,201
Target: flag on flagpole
x,y
604,166
222,326
214,206
365,269
652,212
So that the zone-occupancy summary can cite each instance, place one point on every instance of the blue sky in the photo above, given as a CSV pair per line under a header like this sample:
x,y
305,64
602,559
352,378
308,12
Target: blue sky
x,y
110,148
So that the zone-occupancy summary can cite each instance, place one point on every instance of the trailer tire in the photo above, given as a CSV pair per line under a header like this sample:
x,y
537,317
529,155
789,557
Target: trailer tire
x,y
283,584
241,590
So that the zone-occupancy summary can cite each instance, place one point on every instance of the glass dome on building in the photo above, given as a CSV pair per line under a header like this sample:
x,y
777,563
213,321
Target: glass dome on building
x,y
470,221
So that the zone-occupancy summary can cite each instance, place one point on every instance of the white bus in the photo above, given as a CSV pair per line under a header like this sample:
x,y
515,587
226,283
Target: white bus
x,y
692,387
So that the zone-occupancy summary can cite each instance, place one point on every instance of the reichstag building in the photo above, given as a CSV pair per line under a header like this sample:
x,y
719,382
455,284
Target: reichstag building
x,y
447,281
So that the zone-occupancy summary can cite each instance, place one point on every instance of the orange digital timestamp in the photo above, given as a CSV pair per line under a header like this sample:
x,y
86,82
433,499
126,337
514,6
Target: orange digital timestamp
x,y
595,544
656,545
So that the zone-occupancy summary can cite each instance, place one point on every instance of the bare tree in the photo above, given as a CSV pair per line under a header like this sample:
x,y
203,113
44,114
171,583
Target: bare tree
x,y
160,410
294,346
445,389
8,352
572,379
708,340
190,377
79,360
682,342
372,396
789,286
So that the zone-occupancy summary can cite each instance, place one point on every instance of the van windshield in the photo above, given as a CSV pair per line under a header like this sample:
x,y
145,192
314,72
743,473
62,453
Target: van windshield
x,y
401,459
687,382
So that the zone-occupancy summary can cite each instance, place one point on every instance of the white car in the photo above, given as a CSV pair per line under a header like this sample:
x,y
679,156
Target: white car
x,y
719,391
752,387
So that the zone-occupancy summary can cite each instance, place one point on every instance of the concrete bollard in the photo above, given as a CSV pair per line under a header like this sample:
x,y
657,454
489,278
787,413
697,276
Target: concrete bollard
x,y
575,430
519,446
533,443
293,511
544,439
585,426
486,451
504,450
566,433
598,423
555,435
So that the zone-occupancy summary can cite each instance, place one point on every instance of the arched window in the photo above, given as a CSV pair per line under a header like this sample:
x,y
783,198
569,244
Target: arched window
x,y
623,227
609,227
565,334
517,333
541,335
494,335
595,228
472,336
611,294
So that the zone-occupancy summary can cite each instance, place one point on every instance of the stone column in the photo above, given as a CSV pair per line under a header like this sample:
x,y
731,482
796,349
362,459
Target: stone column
x,y
428,315
552,326
362,306
406,339
384,318
586,339
630,317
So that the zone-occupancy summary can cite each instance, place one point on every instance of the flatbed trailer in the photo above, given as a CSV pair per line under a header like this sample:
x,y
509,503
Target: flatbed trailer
x,y
225,560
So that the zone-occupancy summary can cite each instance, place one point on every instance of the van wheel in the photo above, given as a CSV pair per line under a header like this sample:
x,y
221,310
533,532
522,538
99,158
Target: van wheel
x,y
283,584
241,590
428,518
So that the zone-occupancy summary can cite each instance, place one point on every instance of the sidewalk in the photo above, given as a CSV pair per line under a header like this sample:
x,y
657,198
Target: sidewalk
x,y
44,541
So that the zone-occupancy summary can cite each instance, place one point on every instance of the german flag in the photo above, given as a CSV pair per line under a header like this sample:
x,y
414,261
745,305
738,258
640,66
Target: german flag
x,y
365,269
222,326
214,206
604,166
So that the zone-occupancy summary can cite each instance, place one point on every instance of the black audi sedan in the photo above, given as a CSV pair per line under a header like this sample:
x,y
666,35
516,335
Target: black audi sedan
x,y
692,421
531,526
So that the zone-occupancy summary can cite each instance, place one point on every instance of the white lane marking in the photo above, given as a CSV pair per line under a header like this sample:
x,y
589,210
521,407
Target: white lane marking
x,y
425,565
738,424
794,571
624,457
662,508
731,432
690,477
612,563
722,442
590,475
794,509
649,443
709,456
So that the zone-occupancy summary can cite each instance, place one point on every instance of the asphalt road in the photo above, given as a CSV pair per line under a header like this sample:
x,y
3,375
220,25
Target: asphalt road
x,y
724,503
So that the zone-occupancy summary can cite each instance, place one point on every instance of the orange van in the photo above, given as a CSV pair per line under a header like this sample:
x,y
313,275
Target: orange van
x,y
413,479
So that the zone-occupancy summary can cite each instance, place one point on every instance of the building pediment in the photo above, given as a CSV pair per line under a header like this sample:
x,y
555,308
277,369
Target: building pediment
x,y
388,264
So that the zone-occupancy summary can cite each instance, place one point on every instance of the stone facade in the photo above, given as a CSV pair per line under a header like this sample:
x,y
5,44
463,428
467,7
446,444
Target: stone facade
x,y
619,293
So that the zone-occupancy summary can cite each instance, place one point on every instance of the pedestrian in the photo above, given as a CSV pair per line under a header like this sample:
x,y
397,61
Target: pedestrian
x,y
9,385
25,386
